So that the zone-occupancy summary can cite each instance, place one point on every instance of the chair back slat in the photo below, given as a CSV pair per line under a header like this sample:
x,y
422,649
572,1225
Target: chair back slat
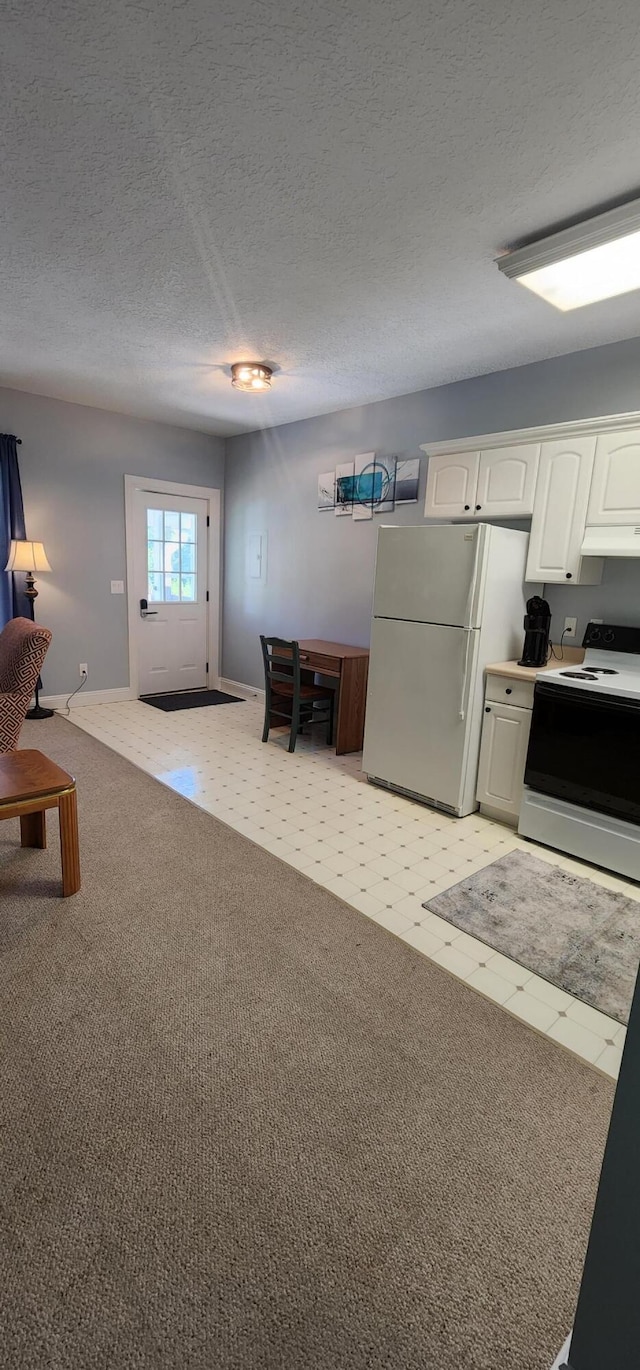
x,y
277,651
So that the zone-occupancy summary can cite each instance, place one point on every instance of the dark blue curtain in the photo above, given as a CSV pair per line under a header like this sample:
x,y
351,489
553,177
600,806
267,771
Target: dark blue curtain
x,y
13,601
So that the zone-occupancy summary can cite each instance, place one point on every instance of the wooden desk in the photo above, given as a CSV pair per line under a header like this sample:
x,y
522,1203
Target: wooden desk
x,y
349,667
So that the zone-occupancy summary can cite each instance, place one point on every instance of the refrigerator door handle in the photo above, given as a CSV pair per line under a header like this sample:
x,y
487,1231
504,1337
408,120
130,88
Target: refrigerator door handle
x,y
472,591
465,673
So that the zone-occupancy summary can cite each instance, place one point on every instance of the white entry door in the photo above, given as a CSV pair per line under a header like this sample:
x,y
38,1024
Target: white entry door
x,y
170,561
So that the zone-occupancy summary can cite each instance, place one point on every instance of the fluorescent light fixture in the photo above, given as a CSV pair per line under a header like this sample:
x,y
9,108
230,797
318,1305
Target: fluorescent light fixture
x,y
592,261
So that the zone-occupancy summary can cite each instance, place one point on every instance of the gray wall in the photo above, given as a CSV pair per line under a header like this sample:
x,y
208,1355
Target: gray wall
x,y
72,463
320,568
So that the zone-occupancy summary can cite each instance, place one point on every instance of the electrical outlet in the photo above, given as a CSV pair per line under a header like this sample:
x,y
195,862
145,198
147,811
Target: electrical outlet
x,y
84,669
570,625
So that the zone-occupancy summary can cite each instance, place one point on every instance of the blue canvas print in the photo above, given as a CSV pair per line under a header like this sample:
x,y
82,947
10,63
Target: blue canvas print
x,y
365,488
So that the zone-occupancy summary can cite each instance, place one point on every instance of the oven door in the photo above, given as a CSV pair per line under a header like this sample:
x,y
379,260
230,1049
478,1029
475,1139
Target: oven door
x,y
585,748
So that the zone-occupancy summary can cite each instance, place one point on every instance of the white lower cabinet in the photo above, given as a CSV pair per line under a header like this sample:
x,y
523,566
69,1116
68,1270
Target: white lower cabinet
x,y
503,753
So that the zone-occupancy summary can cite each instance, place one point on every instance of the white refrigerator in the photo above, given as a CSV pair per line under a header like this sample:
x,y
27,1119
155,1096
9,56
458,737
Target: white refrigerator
x,y
449,599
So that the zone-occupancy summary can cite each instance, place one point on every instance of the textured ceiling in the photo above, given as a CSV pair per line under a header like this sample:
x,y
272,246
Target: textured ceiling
x,y
188,183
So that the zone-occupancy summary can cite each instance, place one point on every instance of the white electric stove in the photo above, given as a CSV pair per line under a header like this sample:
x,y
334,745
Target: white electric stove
x,y
582,776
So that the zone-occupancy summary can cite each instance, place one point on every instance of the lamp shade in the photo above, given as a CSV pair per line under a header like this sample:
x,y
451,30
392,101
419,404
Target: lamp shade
x,y
27,556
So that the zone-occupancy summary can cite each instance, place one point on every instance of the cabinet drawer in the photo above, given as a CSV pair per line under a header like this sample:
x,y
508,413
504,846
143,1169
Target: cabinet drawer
x,y
314,661
500,689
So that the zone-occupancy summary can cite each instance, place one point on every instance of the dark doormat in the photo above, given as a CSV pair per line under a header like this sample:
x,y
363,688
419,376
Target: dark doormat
x,y
189,699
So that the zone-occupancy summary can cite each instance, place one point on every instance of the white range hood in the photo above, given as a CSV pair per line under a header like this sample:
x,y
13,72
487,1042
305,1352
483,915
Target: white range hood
x,y
611,540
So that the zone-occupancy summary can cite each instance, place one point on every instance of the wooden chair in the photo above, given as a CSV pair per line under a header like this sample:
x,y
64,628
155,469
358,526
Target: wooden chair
x,y
283,685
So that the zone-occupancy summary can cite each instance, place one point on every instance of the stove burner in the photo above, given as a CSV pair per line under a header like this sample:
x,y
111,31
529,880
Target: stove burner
x,y
580,675
602,670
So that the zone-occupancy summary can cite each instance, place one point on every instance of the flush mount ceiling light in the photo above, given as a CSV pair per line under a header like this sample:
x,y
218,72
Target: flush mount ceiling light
x,y
251,376
592,261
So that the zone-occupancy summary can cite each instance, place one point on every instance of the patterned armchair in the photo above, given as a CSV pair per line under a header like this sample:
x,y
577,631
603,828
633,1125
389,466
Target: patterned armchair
x,y
23,647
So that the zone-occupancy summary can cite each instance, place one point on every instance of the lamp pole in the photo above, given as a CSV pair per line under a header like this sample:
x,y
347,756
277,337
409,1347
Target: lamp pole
x,y
27,557
32,594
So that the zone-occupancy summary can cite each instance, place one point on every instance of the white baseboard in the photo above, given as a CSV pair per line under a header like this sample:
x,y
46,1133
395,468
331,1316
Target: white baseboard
x,y
85,697
561,1359
124,692
235,687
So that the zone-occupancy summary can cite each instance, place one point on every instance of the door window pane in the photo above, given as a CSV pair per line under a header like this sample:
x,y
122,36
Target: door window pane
x,y
187,527
155,524
188,556
171,526
154,562
171,556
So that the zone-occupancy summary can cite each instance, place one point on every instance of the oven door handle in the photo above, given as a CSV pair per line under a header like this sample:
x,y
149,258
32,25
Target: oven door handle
x,y
583,698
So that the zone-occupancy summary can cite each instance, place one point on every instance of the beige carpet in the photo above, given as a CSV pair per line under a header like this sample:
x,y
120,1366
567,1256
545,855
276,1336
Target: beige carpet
x,y
241,1126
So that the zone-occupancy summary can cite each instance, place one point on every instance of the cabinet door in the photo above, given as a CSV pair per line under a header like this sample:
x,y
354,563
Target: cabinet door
x,y
451,485
615,489
506,482
560,510
503,752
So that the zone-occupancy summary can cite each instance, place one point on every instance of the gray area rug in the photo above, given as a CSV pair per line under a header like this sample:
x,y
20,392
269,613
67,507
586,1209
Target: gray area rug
x,y
245,1128
581,937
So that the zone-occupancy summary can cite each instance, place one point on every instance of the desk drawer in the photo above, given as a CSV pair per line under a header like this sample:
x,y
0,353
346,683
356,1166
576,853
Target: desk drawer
x,y
315,661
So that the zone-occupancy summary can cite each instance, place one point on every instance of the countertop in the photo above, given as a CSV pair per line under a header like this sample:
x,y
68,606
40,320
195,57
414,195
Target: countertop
x,y
571,656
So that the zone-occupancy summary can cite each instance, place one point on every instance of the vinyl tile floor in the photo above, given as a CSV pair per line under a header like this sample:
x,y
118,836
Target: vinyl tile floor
x,y
381,853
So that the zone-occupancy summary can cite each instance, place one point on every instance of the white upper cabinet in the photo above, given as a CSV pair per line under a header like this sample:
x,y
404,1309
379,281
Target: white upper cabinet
x,y
498,483
559,514
452,481
506,481
573,485
615,489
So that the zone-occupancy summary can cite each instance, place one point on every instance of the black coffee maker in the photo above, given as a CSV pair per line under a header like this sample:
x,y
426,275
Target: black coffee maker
x,y
537,626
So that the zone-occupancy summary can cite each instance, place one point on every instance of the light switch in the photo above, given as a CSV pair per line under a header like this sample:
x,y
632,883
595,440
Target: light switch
x,y
117,587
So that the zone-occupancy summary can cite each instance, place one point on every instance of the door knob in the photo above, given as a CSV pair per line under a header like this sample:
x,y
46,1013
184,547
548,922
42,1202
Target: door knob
x,y
145,612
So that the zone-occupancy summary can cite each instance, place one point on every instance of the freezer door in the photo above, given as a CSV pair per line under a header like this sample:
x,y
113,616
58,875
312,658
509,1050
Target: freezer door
x,y
419,684
429,574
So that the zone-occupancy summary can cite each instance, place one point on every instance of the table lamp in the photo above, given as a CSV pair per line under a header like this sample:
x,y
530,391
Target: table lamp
x,y
30,556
